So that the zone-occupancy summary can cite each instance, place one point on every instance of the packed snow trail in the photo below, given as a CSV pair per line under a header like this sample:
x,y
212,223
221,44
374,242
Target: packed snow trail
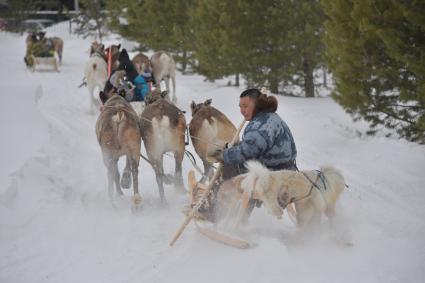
x,y
57,224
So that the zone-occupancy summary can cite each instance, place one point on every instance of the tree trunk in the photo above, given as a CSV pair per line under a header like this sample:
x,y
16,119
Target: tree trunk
x,y
237,80
325,77
184,61
308,78
273,80
99,32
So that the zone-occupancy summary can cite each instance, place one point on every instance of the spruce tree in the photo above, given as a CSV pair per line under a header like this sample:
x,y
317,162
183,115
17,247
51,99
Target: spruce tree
x,y
91,20
376,50
208,33
18,12
158,25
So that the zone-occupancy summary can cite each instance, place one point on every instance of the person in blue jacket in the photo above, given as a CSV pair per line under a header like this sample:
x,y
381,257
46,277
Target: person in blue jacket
x,y
267,138
140,82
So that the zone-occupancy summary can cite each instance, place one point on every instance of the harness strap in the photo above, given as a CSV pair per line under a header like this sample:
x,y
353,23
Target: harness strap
x,y
99,54
313,185
322,177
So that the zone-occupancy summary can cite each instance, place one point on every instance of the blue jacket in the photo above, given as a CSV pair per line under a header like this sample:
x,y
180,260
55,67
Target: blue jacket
x,y
141,89
267,139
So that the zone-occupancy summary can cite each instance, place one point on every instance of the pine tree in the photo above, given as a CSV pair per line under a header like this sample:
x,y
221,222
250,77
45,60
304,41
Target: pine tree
x,y
271,52
306,32
231,39
159,25
91,20
376,50
18,11
208,34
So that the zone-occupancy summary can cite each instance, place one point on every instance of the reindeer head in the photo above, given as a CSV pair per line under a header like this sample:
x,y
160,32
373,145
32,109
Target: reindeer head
x,y
155,95
96,46
196,107
115,51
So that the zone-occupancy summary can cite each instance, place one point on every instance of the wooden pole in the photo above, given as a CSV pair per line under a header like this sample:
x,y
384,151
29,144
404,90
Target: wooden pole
x,y
109,62
207,191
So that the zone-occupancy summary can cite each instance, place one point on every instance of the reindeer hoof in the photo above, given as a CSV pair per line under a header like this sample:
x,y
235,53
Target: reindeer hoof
x,y
126,180
168,179
137,200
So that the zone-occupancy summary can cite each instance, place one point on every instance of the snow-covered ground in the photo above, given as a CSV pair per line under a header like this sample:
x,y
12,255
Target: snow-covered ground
x,y
57,224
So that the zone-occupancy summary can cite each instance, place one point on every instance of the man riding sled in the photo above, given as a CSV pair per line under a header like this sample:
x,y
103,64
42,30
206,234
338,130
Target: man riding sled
x,y
266,138
38,46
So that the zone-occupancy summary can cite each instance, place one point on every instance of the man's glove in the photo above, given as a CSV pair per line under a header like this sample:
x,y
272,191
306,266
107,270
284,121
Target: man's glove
x,y
216,156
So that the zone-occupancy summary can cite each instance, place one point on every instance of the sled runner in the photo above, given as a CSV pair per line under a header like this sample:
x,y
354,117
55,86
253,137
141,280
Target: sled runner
x,y
46,61
237,210
204,201
200,198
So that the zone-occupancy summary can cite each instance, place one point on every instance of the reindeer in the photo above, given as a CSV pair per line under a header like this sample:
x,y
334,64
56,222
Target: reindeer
x,y
94,46
118,134
115,50
96,74
142,63
164,68
210,130
163,126
58,46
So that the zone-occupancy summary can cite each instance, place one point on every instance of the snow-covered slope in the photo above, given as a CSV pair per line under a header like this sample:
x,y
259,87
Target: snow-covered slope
x,y
57,225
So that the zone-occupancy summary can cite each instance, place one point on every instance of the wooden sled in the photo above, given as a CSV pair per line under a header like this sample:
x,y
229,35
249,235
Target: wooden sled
x,y
46,61
221,237
200,200
236,214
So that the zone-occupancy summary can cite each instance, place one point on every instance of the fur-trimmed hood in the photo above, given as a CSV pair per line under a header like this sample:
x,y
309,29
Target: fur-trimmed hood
x,y
265,103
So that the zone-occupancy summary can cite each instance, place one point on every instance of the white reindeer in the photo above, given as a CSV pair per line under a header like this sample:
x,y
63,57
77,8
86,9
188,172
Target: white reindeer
x,y
164,68
96,74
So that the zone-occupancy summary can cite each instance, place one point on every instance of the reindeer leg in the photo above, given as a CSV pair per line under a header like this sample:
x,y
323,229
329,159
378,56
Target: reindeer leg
x,y
117,178
126,174
167,85
110,183
159,173
173,78
305,215
178,177
135,172
91,89
111,164
207,171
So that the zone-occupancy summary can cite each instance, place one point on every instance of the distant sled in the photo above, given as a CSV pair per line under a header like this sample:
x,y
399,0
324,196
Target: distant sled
x,y
53,61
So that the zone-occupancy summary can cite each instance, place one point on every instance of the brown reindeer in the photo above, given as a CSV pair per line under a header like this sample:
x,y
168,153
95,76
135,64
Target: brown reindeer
x,y
58,46
210,130
142,63
164,68
118,133
163,126
115,49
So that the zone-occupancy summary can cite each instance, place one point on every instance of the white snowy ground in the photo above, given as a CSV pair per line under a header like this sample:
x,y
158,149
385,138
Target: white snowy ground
x,y
57,225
